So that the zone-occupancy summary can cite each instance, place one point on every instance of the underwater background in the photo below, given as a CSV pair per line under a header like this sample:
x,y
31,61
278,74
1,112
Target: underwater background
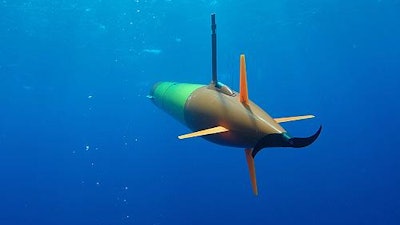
x,y
81,144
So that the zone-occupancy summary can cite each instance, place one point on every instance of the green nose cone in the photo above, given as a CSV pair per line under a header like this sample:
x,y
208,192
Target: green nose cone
x,y
172,97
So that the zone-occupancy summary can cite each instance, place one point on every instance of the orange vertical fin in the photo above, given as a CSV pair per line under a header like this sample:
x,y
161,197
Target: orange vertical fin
x,y
244,96
252,170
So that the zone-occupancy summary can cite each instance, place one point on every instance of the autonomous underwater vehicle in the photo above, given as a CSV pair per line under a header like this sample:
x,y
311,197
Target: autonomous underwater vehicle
x,y
226,117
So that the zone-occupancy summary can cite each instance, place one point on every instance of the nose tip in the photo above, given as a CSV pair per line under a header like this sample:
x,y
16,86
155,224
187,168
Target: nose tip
x,y
152,90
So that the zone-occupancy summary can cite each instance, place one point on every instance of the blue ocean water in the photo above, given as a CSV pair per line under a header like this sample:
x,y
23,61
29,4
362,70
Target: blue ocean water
x,y
81,144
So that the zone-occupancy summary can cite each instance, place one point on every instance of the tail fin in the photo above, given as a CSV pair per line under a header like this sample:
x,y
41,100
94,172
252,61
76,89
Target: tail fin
x,y
252,170
244,95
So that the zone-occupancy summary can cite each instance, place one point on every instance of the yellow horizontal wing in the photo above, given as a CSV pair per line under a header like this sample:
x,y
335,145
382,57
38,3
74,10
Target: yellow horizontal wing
x,y
293,118
213,130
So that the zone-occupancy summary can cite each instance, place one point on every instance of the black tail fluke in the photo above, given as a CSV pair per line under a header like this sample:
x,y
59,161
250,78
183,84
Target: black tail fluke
x,y
281,140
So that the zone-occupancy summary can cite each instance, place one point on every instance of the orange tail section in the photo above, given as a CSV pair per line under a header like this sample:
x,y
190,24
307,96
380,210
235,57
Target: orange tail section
x,y
252,170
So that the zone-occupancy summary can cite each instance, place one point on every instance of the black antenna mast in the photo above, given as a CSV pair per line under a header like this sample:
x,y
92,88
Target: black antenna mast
x,y
214,50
